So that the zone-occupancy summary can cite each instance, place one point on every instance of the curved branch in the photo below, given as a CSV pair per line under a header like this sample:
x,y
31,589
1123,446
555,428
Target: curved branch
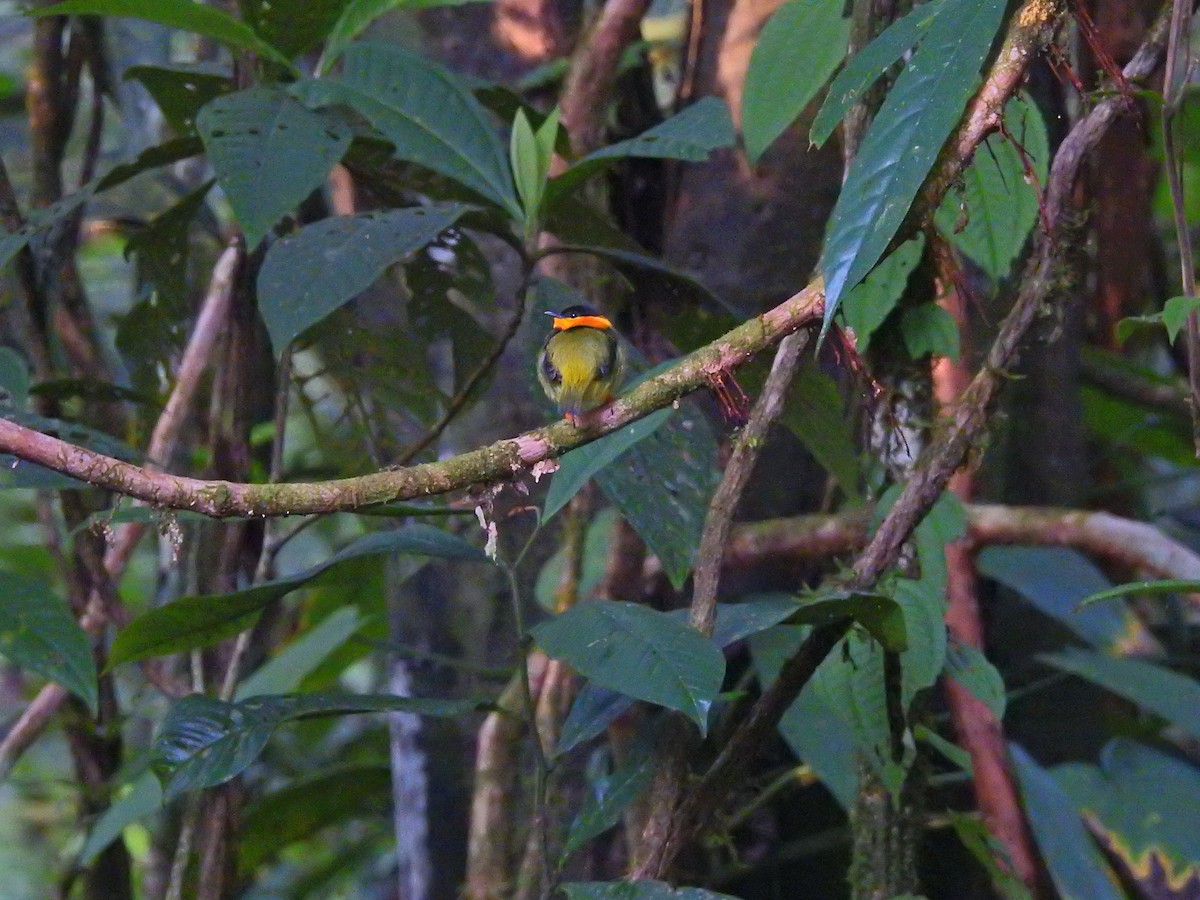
x,y
503,459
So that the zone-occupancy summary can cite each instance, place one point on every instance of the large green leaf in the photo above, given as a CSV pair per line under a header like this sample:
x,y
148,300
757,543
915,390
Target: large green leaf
x,y
867,306
193,622
815,412
577,467
1173,696
799,48
691,135
867,65
818,735
185,15
358,14
607,798
929,329
1076,865
638,651
143,798
38,632
291,25
636,890
284,671
1145,804
269,153
204,741
904,140
1056,580
428,114
663,485
595,707
309,274
180,91
306,806
989,217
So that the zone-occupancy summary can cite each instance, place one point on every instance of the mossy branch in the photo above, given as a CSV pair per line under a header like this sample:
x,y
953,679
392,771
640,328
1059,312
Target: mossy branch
x,y
504,459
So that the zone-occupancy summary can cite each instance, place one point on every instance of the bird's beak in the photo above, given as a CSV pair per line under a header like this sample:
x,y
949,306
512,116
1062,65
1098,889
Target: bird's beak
x,y
552,314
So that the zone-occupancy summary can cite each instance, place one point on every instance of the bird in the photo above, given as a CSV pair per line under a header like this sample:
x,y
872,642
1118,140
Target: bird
x,y
581,364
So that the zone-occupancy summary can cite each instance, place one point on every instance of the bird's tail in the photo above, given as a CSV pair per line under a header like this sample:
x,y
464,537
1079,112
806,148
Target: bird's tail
x,y
572,399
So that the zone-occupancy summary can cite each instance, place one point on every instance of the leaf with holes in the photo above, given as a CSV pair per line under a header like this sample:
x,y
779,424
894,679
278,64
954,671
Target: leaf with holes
x,y
269,153
799,48
638,651
180,91
904,140
38,633
309,274
426,112
203,741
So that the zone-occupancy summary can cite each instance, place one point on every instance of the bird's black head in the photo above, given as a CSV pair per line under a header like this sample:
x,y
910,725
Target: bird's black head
x,y
579,316
574,312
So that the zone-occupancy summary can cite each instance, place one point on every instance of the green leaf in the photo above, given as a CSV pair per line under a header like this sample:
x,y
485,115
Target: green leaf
x,y
691,135
203,741
142,800
358,14
872,301
929,329
313,272
595,707
1077,867
291,25
867,65
815,412
636,890
578,466
1148,588
818,735
1056,580
193,622
284,671
180,91
527,173
304,807
638,651
428,114
14,379
606,800
1165,693
904,140
162,249
185,15
799,48
1146,806
989,852
878,614
1175,314
969,667
269,153
39,633
989,217
164,154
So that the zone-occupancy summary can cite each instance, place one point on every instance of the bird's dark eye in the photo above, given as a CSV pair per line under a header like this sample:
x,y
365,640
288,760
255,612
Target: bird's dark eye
x,y
548,369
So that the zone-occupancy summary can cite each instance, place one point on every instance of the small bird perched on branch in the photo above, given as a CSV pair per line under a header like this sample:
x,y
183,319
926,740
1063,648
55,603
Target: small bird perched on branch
x,y
581,364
